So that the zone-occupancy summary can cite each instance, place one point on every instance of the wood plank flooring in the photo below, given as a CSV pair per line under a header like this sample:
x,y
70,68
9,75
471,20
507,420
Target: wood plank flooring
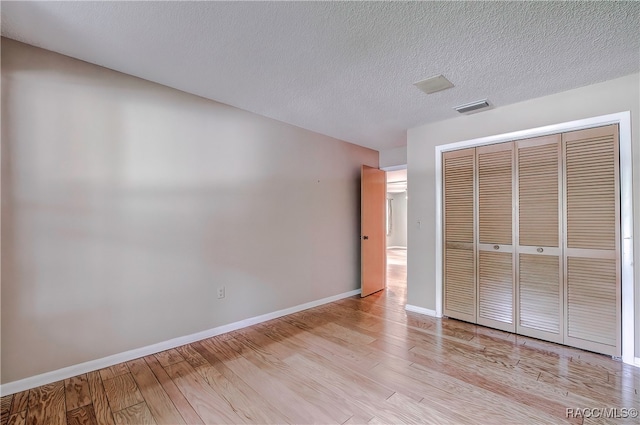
x,y
352,361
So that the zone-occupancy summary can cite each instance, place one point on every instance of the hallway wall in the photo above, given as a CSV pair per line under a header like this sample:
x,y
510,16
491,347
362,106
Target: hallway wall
x,y
398,234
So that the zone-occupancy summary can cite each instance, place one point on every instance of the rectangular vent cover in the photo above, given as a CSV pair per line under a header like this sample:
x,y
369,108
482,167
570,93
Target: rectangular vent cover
x,y
472,107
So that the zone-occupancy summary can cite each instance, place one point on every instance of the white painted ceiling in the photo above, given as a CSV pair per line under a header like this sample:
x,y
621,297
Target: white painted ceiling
x,y
345,69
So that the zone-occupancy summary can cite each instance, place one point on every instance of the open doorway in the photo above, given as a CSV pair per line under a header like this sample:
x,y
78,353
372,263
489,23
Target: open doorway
x,y
397,200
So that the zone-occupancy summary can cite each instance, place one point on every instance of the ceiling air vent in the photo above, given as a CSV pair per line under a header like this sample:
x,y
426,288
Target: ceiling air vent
x,y
472,107
434,84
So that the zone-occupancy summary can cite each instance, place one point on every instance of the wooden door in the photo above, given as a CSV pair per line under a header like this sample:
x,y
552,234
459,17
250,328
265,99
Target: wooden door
x,y
539,284
373,232
496,294
459,235
592,243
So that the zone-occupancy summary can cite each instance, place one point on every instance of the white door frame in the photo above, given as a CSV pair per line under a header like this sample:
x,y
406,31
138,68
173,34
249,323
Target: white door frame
x,y
623,119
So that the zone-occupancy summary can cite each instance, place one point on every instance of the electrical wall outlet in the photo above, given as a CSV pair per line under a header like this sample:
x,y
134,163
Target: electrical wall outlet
x,y
221,292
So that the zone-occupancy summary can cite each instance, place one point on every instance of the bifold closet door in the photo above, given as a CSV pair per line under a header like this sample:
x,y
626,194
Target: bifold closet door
x,y
592,265
459,243
540,305
495,236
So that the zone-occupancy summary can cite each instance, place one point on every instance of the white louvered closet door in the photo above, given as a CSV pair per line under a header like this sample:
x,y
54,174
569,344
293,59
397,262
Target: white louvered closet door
x,y
495,236
592,265
540,305
459,247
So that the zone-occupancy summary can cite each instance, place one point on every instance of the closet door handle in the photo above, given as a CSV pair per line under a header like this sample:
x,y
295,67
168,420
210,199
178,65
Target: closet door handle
x,y
539,249
496,247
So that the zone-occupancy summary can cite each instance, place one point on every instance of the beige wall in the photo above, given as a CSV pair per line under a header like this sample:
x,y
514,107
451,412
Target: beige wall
x,y
126,204
398,234
393,157
622,94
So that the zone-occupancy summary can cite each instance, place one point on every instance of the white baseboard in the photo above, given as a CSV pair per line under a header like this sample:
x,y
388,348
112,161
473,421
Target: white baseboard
x,y
420,310
396,247
68,372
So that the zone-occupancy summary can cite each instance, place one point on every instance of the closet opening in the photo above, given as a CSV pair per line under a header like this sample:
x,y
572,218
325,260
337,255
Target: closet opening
x,y
514,290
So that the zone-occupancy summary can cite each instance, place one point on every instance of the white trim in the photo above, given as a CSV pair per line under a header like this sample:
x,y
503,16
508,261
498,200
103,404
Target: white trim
x,y
420,310
623,119
637,361
396,247
617,118
68,372
626,237
438,238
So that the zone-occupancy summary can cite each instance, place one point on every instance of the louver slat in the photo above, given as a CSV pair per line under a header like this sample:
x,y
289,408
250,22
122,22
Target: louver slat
x,y
458,199
540,292
460,294
592,301
495,286
591,192
495,177
538,194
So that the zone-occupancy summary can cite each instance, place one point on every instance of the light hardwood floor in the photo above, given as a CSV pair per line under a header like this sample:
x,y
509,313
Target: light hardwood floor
x,y
351,361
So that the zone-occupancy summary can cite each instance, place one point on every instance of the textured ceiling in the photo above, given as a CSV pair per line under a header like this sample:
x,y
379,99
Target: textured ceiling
x,y
345,69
